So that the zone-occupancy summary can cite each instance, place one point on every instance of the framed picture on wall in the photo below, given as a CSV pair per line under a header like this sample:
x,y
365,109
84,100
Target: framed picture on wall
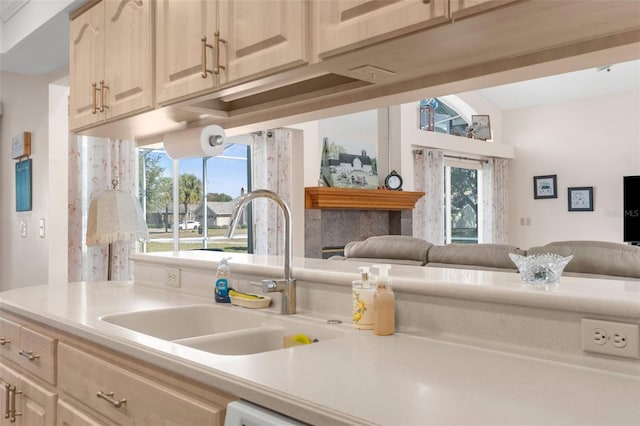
x,y
23,186
545,187
580,199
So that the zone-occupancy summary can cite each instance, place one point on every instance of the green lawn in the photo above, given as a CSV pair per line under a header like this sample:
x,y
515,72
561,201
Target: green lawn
x,y
234,245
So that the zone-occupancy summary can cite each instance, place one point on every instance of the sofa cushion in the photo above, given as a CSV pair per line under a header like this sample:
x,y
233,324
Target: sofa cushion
x,y
485,255
389,249
596,257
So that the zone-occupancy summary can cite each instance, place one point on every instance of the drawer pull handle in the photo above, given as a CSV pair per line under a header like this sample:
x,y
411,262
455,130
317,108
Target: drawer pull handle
x,y
4,341
28,355
108,397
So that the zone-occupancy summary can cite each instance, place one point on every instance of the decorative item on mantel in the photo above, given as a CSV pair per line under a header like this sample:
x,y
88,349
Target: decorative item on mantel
x,y
540,269
114,216
349,164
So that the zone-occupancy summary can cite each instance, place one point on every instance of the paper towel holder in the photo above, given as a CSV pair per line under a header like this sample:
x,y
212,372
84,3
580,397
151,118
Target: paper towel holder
x,y
216,140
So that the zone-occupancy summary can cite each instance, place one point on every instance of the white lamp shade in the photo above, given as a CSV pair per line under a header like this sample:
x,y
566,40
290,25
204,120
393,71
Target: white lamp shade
x,y
115,215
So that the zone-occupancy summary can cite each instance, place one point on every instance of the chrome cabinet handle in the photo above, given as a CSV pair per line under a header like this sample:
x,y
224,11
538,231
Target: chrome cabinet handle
x,y
29,355
108,396
4,341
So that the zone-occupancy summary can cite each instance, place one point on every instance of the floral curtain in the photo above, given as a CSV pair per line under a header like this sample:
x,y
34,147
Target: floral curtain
x,y
496,203
272,171
428,215
93,164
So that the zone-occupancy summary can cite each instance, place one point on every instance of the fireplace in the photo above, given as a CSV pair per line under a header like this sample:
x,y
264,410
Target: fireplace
x,y
336,216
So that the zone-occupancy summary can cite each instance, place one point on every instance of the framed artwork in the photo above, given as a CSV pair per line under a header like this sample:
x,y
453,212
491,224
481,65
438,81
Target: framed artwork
x,y
545,187
349,164
481,127
580,199
23,186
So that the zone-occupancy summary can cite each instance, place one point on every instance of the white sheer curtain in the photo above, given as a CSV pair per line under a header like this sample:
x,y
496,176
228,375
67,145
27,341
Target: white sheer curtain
x,y
428,215
495,202
93,164
272,171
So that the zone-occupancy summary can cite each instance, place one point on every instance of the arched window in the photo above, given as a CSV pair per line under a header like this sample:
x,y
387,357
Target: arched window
x,y
437,116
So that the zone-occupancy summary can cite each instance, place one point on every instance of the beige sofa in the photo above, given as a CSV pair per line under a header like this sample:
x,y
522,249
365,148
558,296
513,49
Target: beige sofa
x,y
590,258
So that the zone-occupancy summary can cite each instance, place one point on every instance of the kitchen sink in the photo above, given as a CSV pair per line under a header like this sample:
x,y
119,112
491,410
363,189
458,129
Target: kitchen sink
x,y
186,321
224,330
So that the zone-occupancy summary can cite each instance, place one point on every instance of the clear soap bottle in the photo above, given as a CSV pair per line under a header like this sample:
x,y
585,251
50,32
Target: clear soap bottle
x,y
223,277
385,311
362,301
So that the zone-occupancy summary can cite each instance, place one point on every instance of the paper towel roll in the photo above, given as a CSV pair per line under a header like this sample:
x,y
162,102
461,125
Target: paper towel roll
x,y
197,142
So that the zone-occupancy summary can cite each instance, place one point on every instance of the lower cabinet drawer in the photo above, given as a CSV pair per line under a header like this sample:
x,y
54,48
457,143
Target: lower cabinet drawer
x,y
127,398
37,354
31,350
9,339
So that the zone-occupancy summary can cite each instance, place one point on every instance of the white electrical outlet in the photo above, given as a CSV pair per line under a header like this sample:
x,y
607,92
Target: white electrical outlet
x,y
172,277
611,338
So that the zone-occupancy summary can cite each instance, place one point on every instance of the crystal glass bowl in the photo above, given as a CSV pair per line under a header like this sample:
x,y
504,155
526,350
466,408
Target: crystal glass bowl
x,y
540,268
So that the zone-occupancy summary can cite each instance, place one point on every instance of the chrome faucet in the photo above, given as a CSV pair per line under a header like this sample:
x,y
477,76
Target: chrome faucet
x,y
286,286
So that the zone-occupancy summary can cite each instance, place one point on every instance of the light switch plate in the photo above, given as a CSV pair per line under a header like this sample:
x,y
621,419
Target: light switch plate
x,y
23,228
41,228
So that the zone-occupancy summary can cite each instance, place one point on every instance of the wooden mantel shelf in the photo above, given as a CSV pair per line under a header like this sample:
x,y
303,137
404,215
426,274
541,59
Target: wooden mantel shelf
x,y
320,197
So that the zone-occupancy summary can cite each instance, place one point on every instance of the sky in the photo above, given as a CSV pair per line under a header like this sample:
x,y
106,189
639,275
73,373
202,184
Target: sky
x,y
225,173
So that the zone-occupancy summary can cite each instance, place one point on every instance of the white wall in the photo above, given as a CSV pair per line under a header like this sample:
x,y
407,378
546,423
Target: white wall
x,y
24,261
593,142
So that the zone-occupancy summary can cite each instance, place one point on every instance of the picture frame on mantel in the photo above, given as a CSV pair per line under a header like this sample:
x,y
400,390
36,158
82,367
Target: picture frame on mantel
x,y
545,187
580,199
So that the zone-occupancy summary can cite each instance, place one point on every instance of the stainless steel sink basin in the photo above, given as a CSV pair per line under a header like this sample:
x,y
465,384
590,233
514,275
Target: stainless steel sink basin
x,y
224,330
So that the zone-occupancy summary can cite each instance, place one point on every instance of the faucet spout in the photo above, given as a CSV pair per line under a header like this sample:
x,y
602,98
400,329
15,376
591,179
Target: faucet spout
x,y
288,285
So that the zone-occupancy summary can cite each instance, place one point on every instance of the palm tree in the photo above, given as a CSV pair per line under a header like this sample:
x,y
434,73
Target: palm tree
x,y
164,194
190,191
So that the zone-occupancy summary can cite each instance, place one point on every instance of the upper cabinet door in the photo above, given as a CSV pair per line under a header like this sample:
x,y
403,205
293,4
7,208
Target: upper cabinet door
x,y
343,25
261,36
86,66
128,56
462,8
183,59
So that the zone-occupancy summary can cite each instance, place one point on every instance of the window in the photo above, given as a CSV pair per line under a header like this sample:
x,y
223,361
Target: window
x,y
437,116
209,184
462,202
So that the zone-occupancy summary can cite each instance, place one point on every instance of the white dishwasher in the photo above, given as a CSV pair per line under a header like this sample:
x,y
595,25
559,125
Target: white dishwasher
x,y
243,413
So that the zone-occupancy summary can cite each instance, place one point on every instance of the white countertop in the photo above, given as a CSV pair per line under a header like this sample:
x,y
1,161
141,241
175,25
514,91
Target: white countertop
x,y
356,378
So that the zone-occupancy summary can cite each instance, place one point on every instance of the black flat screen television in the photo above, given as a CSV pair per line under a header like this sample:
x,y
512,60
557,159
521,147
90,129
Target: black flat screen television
x,y
632,209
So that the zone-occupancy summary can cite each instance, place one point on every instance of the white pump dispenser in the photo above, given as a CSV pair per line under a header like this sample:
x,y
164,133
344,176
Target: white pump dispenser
x,y
362,301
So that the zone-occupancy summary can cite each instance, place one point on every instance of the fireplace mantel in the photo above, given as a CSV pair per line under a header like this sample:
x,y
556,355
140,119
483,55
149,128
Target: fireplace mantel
x,y
320,197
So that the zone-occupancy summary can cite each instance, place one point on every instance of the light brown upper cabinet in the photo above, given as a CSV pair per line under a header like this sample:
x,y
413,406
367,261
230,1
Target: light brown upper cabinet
x,y
203,45
343,25
185,48
111,62
262,37
462,8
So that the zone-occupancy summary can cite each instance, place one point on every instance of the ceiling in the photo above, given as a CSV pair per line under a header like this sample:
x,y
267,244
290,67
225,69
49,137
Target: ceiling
x,y
589,83
46,49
